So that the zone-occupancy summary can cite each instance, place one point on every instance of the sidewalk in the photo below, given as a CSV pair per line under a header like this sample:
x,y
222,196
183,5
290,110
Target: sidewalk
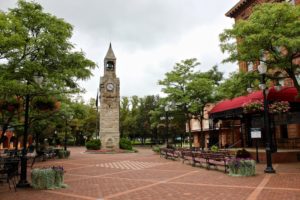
x,y
146,176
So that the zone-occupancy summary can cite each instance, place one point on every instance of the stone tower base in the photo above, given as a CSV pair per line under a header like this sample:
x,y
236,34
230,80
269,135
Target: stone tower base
x,y
110,141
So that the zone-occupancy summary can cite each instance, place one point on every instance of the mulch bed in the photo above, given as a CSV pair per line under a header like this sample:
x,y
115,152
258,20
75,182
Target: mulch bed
x,y
109,151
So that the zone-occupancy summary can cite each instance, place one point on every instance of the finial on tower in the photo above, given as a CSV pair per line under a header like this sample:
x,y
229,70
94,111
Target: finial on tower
x,y
110,54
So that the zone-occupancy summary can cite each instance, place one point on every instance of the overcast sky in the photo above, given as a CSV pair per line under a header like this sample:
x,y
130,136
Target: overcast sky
x,y
148,36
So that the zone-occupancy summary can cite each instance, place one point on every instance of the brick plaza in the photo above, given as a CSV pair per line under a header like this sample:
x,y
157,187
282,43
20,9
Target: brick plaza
x,y
146,176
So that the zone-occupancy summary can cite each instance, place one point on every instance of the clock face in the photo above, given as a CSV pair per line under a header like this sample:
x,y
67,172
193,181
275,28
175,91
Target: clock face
x,y
110,86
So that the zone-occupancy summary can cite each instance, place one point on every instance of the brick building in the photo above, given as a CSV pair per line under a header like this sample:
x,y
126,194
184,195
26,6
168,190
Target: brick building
x,y
234,126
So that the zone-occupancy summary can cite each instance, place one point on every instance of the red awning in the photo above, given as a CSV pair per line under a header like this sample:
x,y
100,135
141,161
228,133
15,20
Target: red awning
x,y
285,94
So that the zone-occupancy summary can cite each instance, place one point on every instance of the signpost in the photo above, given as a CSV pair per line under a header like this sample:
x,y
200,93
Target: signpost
x,y
256,134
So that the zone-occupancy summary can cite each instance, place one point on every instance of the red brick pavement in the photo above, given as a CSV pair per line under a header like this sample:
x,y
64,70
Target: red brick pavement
x,y
146,176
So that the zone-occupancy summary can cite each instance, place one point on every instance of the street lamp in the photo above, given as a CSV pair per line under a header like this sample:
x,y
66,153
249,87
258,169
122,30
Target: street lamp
x,y
262,68
23,176
65,139
167,118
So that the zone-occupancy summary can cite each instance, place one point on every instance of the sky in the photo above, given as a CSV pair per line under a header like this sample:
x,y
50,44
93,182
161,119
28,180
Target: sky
x,y
148,37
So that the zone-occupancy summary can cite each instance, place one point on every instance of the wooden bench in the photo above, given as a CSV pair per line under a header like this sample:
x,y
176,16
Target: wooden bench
x,y
201,158
172,153
44,155
162,152
169,153
217,159
187,155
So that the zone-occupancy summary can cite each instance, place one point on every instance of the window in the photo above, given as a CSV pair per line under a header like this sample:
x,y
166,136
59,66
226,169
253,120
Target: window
x,y
284,131
109,66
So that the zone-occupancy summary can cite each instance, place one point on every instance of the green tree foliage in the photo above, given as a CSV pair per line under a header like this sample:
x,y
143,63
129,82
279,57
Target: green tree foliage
x,y
175,82
93,144
125,117
271,35
202,91
191,90
175,85
135,117
125,144
236,85
75,120
32,43
41,46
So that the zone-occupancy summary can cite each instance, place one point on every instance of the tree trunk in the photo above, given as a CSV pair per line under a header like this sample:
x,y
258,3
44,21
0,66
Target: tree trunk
x,y
189,130
293,77
201,132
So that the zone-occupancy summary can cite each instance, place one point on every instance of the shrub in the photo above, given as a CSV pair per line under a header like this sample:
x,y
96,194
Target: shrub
x,y
93,144
125,144
243,154
63,154
156,149
214,148
71,142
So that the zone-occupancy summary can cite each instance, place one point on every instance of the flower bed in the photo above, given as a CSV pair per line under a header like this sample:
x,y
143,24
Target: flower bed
x,y
242,167
48,178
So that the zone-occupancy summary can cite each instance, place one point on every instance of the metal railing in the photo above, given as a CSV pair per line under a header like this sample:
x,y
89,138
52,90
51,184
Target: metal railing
x,y
289,143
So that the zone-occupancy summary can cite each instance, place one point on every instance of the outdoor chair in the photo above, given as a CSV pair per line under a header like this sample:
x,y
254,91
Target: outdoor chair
x,y
9,169
44,155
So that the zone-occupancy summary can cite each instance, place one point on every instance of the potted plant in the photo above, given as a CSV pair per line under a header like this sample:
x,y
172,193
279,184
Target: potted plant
x,y
276,107
44,103
242,167
279,107
253,106
48,178
9,105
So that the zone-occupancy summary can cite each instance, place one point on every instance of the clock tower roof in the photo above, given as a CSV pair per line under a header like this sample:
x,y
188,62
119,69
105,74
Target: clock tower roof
x,y
110,54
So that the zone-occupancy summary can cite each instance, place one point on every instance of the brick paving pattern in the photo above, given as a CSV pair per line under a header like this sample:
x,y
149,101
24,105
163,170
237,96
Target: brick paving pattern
x,y
146,176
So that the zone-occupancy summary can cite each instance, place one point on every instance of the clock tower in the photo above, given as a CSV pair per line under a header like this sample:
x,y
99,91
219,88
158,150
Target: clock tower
x,y
109,103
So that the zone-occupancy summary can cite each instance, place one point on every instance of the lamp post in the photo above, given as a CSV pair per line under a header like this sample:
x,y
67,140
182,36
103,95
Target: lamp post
x,y
262,68
65,139
23,176
166,118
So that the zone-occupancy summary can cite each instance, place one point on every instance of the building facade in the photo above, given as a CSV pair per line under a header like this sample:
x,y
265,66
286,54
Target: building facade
x,y
234,126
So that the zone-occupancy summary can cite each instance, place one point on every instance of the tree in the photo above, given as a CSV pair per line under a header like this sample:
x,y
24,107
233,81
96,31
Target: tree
x,y
202,92
125,121
175,86
135,116
236,85
32,43
271,35
213,74
90,122
147,104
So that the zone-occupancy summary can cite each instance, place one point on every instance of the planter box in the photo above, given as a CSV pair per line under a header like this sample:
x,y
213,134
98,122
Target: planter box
x,y
48,178
242,167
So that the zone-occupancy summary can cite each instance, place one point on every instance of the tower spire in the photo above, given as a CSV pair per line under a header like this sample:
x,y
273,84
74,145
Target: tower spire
x,y
110,54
